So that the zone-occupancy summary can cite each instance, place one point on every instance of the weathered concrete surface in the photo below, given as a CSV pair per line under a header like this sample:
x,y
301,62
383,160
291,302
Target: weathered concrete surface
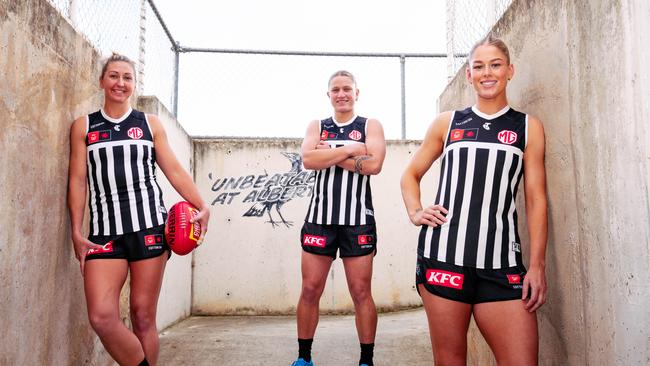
x,y
581,67
251,266
402,339
48,78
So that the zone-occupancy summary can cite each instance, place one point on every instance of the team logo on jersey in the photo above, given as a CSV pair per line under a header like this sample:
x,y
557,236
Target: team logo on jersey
x,y
507,137
97,136
466,134
439,277
314,241
514,279
135,133
365,240
106,248
153,239
355,135
486,125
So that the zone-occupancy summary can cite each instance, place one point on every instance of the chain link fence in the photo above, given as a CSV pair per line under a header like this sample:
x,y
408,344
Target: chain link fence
x,y
467,22
212,93
130,28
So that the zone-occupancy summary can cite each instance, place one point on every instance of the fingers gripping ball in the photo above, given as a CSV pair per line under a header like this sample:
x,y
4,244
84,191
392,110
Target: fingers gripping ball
x,y
182,235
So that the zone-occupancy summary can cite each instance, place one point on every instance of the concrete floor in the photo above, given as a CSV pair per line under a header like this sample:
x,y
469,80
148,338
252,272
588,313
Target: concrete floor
x,y
402,339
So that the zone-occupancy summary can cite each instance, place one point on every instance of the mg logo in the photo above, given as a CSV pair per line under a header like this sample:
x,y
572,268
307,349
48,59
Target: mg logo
x,y
438,277
314,241
507,137
355,135
135,133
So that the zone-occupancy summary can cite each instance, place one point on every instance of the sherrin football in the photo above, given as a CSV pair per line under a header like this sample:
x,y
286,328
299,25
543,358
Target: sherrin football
x,y
182,235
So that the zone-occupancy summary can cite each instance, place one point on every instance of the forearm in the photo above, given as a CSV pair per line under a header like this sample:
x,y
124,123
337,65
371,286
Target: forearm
x,y
318,159
410,186
537,220
183,184
76,204
363,164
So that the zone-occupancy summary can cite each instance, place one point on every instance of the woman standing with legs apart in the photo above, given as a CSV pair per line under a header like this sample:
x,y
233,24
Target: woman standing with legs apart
x,y
116,149
469,251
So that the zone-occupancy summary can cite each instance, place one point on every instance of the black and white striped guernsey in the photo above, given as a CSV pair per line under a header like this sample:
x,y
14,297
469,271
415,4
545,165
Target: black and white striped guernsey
x,y
341,197
481,168
124,194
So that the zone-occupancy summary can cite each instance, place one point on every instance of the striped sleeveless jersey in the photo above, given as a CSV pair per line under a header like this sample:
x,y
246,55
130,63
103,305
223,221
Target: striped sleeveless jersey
x,y
341,197
481,168
124,194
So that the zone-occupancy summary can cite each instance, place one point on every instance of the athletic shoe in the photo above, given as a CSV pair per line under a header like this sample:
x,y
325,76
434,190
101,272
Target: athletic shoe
x,y
302,362
363,364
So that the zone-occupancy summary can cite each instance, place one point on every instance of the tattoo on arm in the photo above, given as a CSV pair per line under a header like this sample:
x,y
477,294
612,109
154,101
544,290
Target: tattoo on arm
x,y
358,163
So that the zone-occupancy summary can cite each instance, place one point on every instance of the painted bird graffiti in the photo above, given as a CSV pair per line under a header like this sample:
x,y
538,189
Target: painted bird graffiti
x,y
260,208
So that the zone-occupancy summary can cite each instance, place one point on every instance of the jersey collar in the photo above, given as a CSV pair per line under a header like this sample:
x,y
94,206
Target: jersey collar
x,y
342,124
490,116
116,120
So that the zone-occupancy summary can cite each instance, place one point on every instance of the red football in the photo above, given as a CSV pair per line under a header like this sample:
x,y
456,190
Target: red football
x,y
182,235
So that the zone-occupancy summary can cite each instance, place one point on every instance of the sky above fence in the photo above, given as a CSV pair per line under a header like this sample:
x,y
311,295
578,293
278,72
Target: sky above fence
x,y
276,96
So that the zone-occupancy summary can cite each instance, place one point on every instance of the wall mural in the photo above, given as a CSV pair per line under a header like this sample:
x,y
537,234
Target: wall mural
x,y
266,193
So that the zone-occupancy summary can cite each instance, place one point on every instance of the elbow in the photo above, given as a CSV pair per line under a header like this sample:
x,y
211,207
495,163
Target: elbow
x,y
374,170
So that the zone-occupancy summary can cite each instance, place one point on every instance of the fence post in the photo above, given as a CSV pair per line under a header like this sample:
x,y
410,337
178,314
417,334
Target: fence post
x,y
141,51
176,48
402,63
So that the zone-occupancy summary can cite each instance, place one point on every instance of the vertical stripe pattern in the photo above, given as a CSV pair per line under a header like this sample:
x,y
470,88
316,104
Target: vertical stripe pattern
x,y
481,168
341,197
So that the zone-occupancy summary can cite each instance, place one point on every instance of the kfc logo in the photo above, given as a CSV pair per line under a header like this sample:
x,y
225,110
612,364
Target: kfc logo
x,y
507,137
106,248
365,239
514,279
443,278
152,239
314,241
355,135
135,133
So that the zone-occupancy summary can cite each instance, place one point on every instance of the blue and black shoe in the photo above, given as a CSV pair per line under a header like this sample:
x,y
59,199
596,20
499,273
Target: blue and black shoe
x,y
302,362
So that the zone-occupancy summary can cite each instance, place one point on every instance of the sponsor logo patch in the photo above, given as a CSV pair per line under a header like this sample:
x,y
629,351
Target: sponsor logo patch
x,y
514,279
365,239
355,135
135,133
97,136
466,134
153,239
106,248
323,135
507,137
96,125
314,241
439,277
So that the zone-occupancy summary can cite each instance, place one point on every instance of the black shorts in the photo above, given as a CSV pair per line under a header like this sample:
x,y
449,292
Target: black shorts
x,y
352,241
467,284
143,244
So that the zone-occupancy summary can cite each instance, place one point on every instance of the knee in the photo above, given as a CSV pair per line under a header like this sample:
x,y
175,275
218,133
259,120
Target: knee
x,y
311,292
143,318
102,321
360,293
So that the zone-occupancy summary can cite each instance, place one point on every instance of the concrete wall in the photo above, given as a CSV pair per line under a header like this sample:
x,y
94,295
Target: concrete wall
x,y
252,266
49,77
582,68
